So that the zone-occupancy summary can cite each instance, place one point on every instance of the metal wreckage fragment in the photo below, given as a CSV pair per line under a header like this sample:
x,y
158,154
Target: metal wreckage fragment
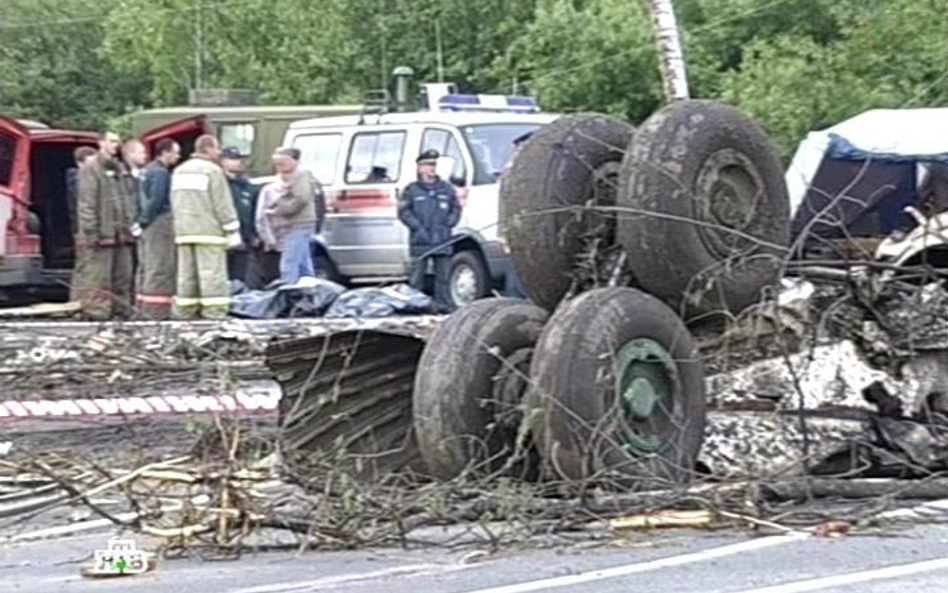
x,y
862,390
795,386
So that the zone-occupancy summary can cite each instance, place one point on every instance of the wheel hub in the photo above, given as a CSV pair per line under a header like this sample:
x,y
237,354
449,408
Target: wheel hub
x,y
510,385
641,398
464,285
601,261
730,192
646,384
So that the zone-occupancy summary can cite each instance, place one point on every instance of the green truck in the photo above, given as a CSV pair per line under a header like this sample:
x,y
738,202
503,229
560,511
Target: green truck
x,y
256,130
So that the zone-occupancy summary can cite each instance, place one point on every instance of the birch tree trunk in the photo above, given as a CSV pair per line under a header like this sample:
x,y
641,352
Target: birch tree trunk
x,y
671,58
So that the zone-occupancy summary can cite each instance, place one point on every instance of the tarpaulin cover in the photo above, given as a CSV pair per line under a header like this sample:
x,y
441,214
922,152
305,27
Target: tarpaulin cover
x,y
307,300
855,178
380,302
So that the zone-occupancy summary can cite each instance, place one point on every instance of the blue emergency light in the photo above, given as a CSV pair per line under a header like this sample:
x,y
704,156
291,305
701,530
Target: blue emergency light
x,y
496,103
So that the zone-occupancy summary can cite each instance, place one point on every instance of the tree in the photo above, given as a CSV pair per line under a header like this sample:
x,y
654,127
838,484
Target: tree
x,y
55,75
891,55
670,57
595,57
285,50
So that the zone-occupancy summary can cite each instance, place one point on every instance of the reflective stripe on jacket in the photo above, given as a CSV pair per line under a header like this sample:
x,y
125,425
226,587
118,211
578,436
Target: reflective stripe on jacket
x,y
201,204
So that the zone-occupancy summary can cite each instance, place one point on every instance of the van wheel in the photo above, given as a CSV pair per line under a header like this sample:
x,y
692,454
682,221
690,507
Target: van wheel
x,y
617,391
469,278
325,268
469,385
548,197
721,219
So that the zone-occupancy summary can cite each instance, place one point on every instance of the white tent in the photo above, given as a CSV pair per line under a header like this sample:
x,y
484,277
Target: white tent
x,y
856,177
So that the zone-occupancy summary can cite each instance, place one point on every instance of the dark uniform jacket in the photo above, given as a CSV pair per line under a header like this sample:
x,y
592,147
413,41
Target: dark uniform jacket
x,y
106,205
244,195
72,196
156,193
430,211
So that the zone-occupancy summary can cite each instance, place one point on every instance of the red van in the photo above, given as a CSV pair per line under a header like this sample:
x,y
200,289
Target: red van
x,y
36,243
37,250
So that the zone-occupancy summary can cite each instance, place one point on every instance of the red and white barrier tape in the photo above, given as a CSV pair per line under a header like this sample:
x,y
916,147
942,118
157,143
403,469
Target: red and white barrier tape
x,y
256,399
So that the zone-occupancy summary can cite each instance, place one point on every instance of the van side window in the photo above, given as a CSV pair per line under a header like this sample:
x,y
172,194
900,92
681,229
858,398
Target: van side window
x,y
239,135
375,157
444,143
319,154
7,145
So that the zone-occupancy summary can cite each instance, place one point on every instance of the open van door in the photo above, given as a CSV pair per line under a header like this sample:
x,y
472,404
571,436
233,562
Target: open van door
x,y
183,131
14,163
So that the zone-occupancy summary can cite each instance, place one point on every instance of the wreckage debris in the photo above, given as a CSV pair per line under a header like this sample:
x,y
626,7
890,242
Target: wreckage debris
x,y
840,373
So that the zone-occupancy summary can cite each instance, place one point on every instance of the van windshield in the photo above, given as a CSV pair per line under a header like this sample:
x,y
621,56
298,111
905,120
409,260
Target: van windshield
x,y
491,146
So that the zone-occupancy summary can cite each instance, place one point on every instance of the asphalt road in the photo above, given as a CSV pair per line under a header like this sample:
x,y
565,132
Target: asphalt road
x,y
914,561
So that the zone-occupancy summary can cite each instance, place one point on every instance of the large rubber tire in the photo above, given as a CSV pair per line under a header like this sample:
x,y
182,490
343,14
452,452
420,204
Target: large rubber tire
x,y
554,171
325,267
685,158
472,265
580,424
454,399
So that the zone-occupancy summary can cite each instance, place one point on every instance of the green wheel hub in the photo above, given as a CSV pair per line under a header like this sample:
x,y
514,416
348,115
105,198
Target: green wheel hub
x,y
646,386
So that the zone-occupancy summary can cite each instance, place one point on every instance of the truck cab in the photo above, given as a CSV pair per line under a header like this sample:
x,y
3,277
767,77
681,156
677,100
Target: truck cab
x,y
364,163
256,130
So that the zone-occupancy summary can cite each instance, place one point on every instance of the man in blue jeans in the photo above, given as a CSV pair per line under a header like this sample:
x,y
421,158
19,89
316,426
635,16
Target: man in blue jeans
x,y
295,215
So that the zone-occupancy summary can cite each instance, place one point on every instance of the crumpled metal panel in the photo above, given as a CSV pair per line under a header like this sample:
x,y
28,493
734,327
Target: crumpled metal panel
x,y
833,375
761,444
85,359
917,319
347,398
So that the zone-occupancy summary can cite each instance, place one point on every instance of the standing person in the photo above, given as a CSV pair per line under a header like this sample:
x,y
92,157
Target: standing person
x,y
429,207
104,273
81,156
135,156
244,196
295,216
205,227
157,268
267,248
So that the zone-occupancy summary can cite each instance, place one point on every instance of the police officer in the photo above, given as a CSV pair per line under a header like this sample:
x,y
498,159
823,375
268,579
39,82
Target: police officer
x,y
244,195
429,207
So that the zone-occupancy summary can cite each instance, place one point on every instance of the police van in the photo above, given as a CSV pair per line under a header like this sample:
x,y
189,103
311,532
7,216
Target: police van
x,y
365,161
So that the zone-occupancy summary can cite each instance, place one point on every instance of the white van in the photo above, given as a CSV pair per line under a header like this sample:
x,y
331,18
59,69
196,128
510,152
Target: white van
x,y
365,162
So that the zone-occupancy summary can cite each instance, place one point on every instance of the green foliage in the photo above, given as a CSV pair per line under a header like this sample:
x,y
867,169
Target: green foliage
x,y
885,55
50,67
598,57
795,64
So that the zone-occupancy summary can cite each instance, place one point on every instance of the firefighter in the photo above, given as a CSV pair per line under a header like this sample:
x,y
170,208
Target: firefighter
x,y
103,276
429,207
244,196
82,155
157,269
205,227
